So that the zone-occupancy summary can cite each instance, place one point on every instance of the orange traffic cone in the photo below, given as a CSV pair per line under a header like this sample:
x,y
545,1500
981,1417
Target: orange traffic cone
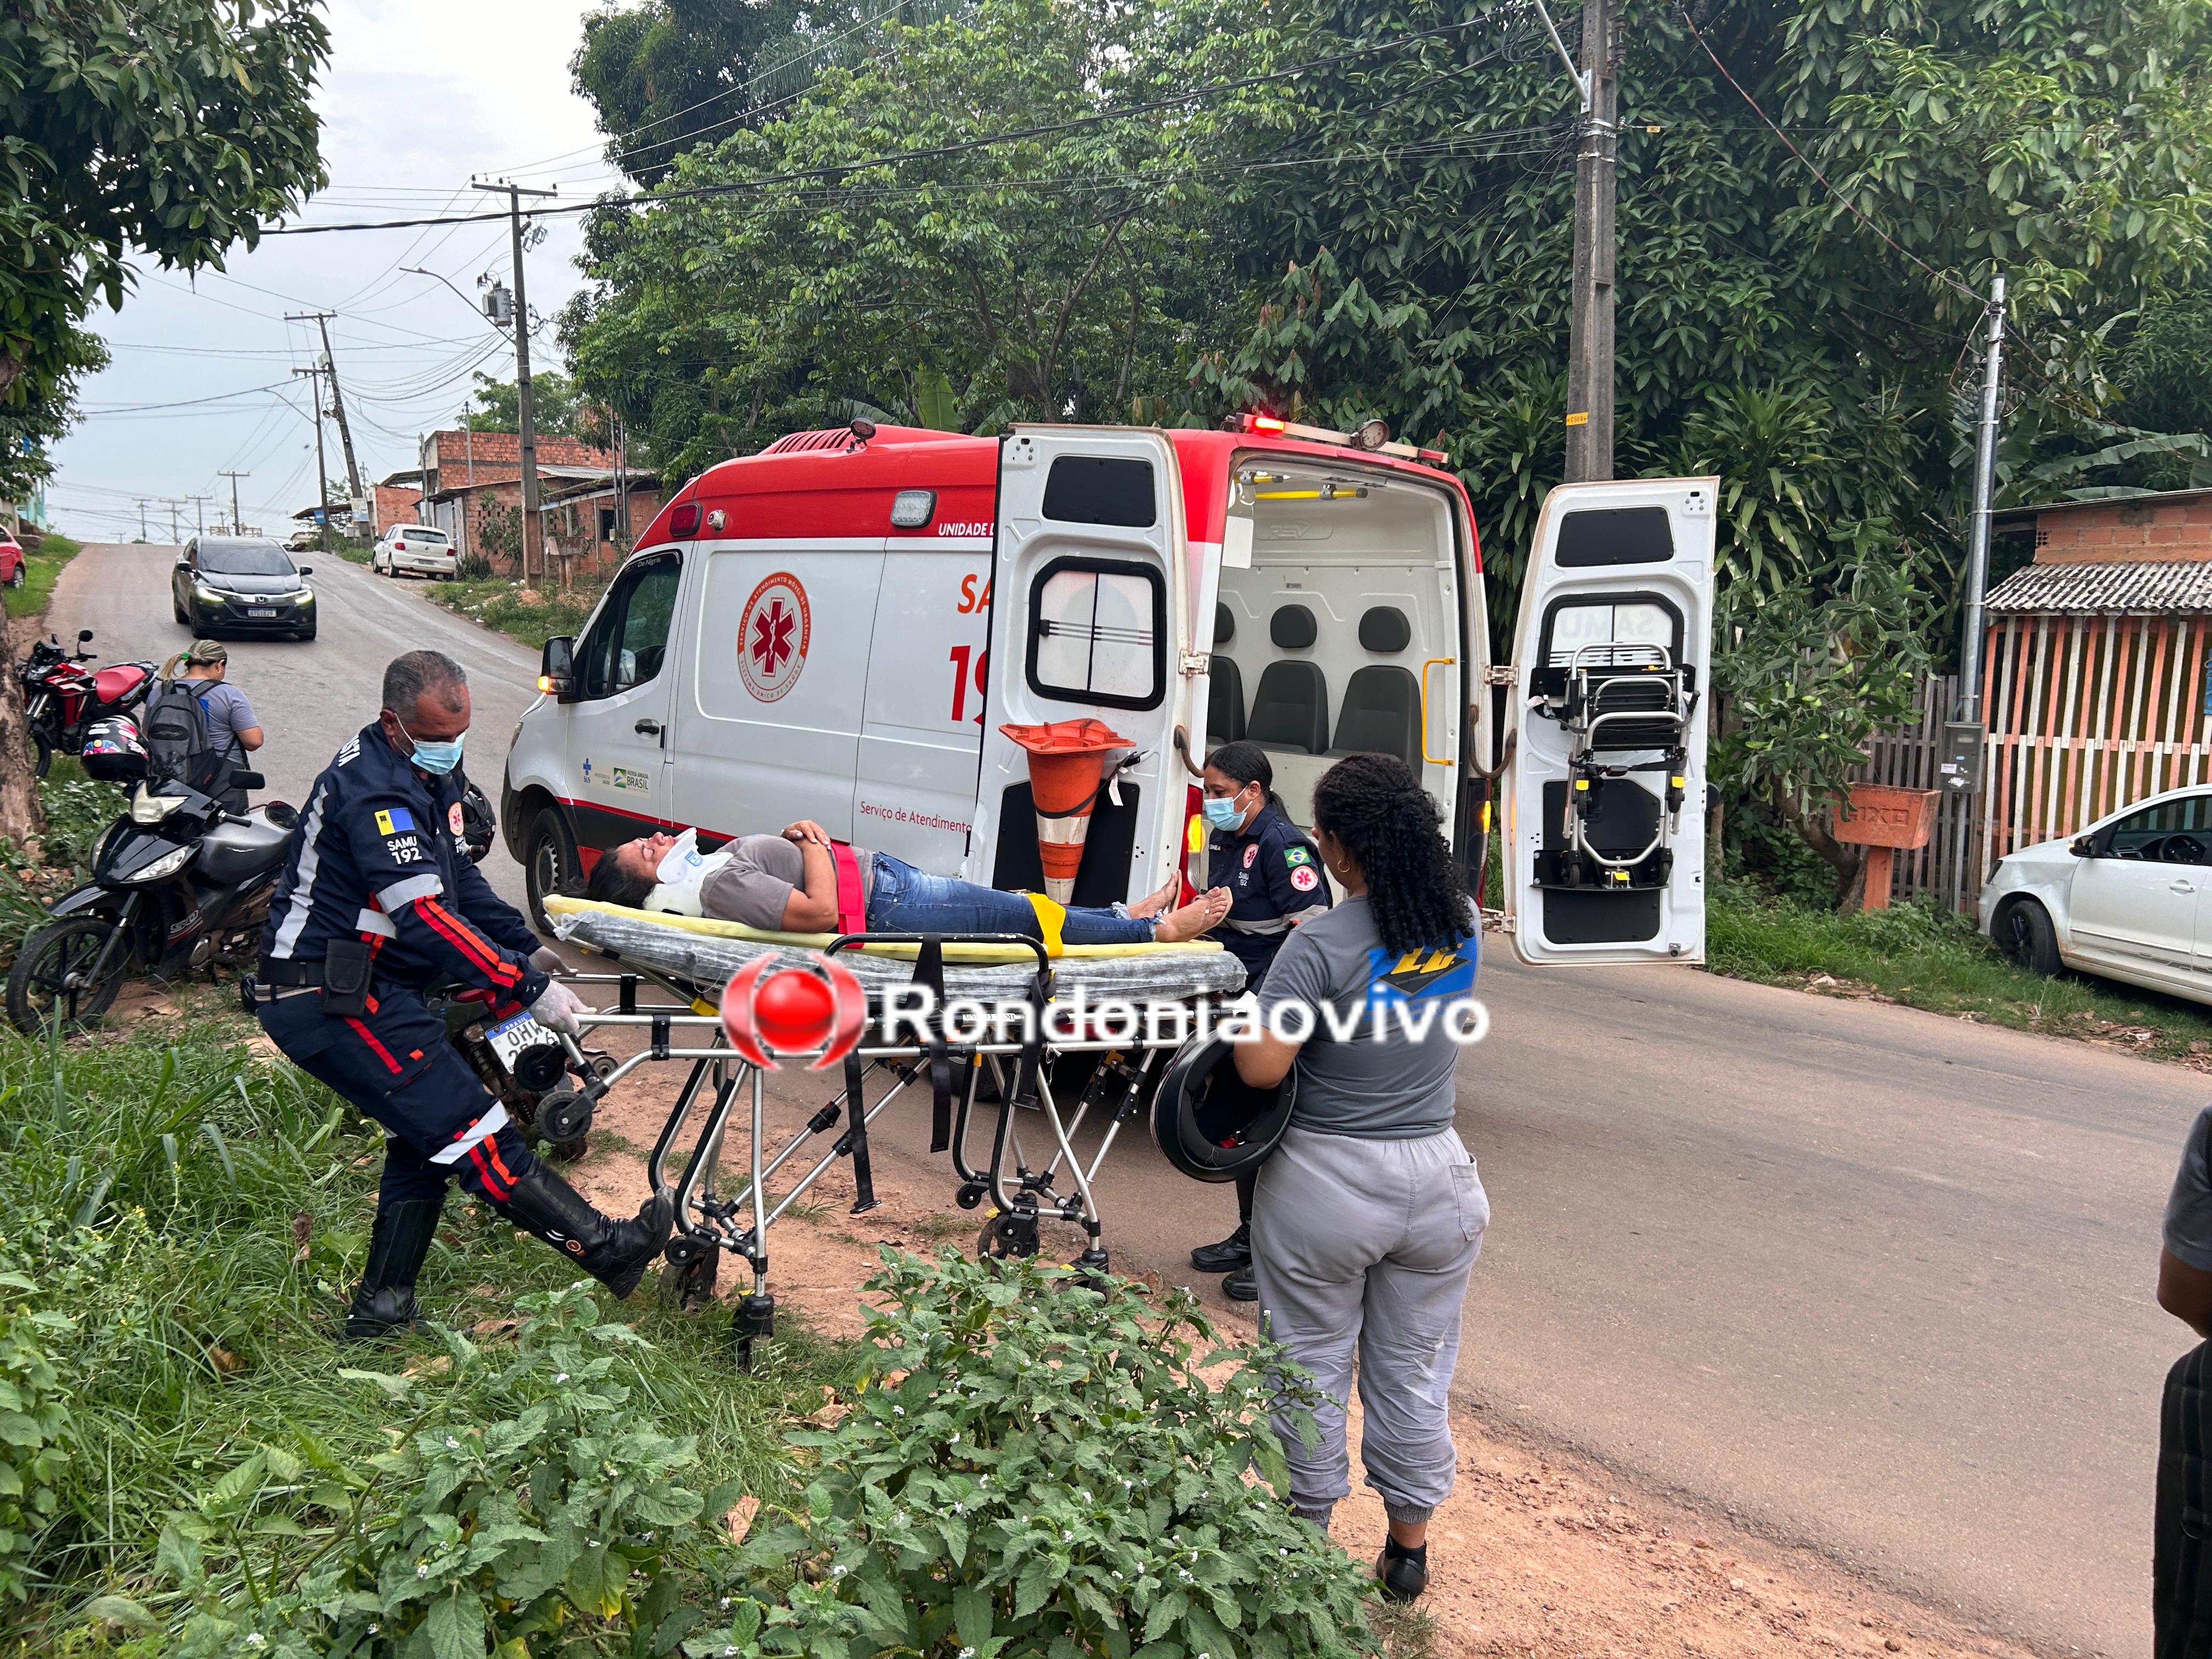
x,y
1067,762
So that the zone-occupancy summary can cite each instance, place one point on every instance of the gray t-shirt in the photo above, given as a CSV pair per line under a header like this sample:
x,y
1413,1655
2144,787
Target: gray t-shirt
x,y
2189,1208
228,714
1397,1088
758,881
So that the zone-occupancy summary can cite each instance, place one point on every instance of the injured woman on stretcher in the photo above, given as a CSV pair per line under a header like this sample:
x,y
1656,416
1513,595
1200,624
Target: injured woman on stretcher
x,y
802,881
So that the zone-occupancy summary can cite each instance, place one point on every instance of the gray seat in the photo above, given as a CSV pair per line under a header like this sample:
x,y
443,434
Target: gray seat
x,y
1290,711
1224,701
1382,714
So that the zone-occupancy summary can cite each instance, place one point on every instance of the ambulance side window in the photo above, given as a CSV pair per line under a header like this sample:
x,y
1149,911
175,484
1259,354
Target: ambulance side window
x,y
629,641
1098,632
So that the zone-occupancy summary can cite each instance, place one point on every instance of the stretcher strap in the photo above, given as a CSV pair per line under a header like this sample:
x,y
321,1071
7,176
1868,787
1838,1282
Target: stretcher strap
x,y
929,969
1051,918
856,1139
851,910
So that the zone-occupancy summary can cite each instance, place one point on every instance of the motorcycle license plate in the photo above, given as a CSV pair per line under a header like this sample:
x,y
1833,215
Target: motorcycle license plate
x,y
261,610
511,1037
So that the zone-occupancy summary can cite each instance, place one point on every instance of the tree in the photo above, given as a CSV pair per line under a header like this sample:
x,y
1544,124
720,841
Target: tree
x,y
670,74
2165,368
1062,277
553,409
174,127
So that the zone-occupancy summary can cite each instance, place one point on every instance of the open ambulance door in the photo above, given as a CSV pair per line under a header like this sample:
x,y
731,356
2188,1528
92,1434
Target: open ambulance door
x,y
1604,805
1089,616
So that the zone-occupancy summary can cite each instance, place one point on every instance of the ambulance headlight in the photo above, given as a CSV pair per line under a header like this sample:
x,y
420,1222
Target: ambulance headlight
x,y
913,508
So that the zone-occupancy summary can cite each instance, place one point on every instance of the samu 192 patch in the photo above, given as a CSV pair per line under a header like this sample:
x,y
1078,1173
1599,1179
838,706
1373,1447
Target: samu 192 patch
x,y
393,821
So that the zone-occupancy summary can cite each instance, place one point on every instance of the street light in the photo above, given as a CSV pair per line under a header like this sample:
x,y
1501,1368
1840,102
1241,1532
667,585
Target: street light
x,y
418,271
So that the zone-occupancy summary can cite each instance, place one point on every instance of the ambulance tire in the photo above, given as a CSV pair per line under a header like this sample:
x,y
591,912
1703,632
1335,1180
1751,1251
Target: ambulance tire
x,y
548,864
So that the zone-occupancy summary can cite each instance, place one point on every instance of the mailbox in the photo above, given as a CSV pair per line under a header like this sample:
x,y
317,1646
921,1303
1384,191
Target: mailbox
x,y
1882,818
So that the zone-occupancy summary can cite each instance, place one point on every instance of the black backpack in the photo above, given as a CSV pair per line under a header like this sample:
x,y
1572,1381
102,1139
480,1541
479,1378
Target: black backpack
x,y
180,748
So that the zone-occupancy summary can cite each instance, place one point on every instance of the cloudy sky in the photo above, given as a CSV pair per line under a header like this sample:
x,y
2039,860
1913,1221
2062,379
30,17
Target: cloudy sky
x,y
419,97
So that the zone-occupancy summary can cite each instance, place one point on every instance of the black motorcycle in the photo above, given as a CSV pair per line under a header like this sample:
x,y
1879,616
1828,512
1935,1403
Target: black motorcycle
x,y
178,883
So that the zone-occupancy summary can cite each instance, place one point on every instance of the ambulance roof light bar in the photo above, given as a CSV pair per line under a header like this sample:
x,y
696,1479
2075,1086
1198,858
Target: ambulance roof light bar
x,y
1374,436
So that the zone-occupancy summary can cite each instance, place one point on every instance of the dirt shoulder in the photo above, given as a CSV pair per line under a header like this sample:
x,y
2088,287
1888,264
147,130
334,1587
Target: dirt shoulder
x,y
1536,1552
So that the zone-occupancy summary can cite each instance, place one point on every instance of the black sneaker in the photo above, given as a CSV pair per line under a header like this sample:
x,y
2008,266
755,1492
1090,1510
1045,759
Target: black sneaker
x,y
1232,1253
1404,1573
1243,1285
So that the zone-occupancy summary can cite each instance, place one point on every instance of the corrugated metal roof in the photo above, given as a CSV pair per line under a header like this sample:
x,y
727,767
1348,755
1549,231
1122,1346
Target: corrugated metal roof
x,y
2124,587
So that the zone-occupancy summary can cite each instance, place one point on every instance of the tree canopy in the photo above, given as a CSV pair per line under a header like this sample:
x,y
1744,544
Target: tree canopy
x,y
555,410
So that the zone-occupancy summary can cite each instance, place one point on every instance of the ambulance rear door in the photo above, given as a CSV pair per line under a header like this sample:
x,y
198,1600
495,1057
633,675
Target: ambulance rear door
x,y
1090,616
1603,808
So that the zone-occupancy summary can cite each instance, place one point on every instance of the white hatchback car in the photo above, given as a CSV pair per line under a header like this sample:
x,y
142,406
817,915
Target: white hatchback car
x,y
414,550
2129,898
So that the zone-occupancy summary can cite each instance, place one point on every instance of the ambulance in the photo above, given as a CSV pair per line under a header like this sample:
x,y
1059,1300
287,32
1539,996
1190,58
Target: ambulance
x,y
837,628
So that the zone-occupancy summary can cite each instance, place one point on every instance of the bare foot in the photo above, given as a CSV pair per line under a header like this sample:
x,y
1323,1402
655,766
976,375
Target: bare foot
x,y
1159,901
1202,913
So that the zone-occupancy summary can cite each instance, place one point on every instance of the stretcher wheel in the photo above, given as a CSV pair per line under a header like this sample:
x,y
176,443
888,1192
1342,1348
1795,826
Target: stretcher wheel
x,y
1007,1236
970,1195
687,1283
564,1116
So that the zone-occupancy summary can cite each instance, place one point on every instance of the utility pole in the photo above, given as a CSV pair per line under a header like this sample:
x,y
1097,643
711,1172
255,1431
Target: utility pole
x,y
330,366
1589,323
199,514
174,538
1977,539
532,530
322,475
237,523
142,535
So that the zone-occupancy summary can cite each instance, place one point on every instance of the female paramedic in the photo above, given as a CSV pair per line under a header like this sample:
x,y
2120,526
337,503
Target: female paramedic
x,y
1370,1213
1274,876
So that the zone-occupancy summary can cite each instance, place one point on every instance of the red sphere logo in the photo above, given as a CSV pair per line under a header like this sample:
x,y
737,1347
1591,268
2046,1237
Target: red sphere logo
x,y
772,1008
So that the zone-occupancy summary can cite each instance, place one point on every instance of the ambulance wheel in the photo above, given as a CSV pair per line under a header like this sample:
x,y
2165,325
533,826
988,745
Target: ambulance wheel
x,y
548,864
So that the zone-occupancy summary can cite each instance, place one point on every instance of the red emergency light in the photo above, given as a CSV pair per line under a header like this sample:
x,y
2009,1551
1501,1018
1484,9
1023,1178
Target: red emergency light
x,y
1273,425
683,520
1373,436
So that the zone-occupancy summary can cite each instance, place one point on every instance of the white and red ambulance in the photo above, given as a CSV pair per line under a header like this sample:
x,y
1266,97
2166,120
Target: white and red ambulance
x,y
836,628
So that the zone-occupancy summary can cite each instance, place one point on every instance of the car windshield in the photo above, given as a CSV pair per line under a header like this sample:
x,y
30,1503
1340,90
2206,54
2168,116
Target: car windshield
x,y
243,559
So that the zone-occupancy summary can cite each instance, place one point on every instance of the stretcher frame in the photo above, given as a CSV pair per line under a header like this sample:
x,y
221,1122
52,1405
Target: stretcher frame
x,y
709,1224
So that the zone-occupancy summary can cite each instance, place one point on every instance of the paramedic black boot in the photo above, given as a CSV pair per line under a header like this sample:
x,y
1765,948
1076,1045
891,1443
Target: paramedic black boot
x,y
399,1242
1232,1253
1243,1285
1404,1572
616,1252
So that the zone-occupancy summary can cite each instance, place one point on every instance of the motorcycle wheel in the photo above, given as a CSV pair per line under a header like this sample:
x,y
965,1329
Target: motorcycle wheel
x,y
45,745
40,991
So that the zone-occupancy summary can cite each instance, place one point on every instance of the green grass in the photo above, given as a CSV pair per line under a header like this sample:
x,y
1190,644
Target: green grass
x,y
78,811
41,570
198,1214
497,605
1926,958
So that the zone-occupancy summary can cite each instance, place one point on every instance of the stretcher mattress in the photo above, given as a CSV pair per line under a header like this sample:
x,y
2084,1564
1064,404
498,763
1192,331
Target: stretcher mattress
x,y
703,953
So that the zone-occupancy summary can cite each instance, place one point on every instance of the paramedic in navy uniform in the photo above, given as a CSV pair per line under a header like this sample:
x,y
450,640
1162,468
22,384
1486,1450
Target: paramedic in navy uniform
x,y
1274,876
379,901
1371,1213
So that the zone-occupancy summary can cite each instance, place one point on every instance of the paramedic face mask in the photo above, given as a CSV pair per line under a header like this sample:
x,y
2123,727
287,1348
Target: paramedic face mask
x,y
433,741
1223,812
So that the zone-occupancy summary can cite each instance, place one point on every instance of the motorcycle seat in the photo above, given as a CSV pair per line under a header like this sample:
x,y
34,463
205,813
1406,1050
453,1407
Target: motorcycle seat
x,y
113,685
234,852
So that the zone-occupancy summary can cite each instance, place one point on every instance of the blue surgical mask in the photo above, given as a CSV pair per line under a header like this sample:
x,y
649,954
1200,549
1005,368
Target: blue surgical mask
x,y
439,757
1221,812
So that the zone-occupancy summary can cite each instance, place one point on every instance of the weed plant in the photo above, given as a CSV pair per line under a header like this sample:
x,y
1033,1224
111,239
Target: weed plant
x,y
78,811
41,570
1924,957
498,605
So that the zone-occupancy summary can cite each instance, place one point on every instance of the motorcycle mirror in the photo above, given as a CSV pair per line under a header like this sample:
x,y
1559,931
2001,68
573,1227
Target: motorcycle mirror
x,y
84,637
241,779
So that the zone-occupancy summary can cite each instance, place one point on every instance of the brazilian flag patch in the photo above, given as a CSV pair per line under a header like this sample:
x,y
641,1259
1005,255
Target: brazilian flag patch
x,y
1294,856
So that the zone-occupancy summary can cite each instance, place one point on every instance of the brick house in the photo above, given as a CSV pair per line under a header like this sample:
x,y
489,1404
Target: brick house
x,y
394,501
463,470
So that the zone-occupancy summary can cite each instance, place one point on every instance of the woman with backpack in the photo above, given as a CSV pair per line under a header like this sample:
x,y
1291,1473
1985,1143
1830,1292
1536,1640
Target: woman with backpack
x,y
185,742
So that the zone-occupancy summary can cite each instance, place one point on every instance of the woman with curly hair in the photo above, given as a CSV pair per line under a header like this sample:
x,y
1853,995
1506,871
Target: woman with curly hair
x,y
1370,1214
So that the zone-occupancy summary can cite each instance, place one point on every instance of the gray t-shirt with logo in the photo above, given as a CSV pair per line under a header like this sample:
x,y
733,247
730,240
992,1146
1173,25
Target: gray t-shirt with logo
x,y
758,881
1398,1088
229,712
2189,1207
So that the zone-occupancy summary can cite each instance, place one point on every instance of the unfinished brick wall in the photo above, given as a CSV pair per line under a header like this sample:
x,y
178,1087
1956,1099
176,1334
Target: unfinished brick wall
x,y
2169,527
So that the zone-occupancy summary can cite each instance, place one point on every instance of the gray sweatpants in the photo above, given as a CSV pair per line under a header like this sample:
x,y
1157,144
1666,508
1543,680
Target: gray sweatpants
x,y
1365,1246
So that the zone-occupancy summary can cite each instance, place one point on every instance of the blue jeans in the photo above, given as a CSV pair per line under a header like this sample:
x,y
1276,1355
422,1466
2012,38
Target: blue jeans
x,y
904,900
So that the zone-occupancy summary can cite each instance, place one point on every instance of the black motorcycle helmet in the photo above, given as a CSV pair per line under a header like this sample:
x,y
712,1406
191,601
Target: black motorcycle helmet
x,y
477,823
1212,1124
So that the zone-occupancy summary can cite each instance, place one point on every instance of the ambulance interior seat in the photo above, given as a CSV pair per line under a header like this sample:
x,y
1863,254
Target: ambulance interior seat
x,y
1225,695
1290,711
1381,710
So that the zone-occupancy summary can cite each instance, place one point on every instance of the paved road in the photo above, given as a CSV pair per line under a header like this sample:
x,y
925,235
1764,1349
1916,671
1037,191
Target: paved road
x,y
1878,1281
311,696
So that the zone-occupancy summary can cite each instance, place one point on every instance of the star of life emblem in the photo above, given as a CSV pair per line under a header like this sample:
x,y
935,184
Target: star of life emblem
x,y
773,635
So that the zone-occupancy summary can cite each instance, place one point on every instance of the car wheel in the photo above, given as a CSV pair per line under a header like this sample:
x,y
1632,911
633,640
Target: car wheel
x,y
548,864
177,611
2025,934
19,575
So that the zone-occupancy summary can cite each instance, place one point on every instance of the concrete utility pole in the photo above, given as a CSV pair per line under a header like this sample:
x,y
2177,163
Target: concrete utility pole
x,y
173,537
1977,540
237,522
199,514
1589,326
142,535
322,474
330,366
532,530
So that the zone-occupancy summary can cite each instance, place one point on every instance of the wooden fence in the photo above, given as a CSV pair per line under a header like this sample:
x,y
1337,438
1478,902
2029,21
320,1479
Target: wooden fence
x,y
1949,867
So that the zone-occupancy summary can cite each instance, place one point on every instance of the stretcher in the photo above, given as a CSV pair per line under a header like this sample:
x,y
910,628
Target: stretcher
x,y
974,1023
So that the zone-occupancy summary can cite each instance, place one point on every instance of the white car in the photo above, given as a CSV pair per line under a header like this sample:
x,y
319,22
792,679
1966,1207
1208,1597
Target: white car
x,y
2129,898
414,550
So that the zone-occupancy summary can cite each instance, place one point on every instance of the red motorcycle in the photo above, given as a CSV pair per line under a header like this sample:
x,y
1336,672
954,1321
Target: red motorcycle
x,y
62,697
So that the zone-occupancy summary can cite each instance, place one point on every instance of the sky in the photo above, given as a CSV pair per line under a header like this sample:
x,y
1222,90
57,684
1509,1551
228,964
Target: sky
x,y
418,97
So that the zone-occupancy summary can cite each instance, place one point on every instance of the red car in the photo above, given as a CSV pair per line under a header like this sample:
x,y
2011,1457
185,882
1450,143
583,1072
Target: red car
x,y
11,564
